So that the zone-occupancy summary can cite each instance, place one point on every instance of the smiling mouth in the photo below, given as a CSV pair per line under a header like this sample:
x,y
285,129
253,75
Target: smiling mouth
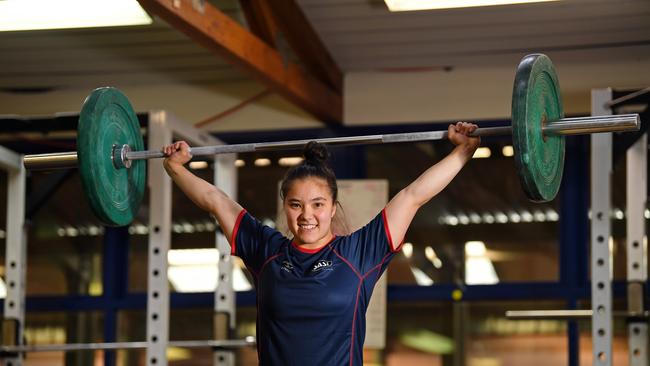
x,y
307,226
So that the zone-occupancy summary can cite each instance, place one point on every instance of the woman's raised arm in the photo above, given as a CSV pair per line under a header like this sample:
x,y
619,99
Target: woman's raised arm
x,y
402,208
205,195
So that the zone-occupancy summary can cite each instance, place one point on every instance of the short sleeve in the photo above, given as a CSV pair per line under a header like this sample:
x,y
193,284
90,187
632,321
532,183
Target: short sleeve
x,y
254,242
371,246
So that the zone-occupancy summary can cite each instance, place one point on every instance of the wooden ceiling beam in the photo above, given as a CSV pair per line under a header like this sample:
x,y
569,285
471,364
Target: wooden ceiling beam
x,y
305,42
260,20
217,31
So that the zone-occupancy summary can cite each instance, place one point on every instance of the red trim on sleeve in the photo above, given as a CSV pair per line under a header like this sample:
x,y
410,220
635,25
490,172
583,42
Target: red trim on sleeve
x,y
233,237
390,239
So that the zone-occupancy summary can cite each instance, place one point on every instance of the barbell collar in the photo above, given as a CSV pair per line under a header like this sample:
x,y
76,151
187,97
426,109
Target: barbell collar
x,y
594,124
566,126
50,161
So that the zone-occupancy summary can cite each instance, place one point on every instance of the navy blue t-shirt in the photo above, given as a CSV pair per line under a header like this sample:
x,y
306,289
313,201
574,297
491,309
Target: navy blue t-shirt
x,y
311,304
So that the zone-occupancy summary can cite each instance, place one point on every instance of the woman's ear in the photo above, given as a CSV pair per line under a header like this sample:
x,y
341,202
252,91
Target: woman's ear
x,y
334,209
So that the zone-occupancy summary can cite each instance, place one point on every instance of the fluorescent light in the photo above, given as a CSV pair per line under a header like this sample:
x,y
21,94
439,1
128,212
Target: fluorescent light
x,y
3,289
262,162
195,270
480,271
407,249
239,280
16,15
475,249
539,216
514,217
409,5
290,161
488,218
429,253
194,278
210,226
551,215
508,151
452,220
71,231
526,216
196,165
618,214
482,152
187,257
239,163
432,257
141,229
95,230
421,278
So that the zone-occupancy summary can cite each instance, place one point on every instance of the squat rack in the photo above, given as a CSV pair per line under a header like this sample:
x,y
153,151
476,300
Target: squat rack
x,y
162,129
601,313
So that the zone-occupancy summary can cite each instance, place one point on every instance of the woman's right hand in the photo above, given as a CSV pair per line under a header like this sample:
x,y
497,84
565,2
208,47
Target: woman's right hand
x,y
177,153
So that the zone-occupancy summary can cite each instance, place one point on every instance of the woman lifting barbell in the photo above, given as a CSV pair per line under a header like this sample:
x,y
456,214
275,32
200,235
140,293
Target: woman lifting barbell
x,y
313,289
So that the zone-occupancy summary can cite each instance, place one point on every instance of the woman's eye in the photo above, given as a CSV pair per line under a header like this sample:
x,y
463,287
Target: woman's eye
x,y
294,205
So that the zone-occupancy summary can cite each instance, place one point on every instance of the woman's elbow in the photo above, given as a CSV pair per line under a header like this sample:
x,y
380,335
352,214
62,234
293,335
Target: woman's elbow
x,y
210,200
412,198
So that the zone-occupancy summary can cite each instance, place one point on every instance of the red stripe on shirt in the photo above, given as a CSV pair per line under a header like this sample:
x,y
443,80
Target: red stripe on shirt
x,y
390,239
354,319
233,237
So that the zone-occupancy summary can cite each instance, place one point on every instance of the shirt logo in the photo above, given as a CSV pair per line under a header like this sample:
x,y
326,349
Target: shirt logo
x,y
321,265
287,266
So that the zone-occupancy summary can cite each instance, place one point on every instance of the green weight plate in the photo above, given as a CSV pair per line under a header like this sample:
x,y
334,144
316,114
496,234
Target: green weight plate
x,y
107,119
536,102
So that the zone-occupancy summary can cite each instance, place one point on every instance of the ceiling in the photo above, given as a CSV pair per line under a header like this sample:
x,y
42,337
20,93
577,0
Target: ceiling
x,y
361,35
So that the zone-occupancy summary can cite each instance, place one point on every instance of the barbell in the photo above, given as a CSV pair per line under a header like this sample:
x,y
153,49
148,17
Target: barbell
x,y
226,344
110,152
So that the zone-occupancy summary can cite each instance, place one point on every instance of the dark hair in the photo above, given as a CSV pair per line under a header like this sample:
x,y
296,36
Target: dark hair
x,y
314,165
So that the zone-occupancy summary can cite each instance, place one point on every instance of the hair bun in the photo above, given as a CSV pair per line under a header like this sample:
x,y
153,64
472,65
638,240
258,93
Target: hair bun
x,y
315,153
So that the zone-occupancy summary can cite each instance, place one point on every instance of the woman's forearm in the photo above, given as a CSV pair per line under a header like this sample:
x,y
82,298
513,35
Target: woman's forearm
x,y
437,177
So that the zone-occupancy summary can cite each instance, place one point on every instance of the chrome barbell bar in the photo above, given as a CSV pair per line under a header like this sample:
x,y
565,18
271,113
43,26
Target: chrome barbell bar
x,y
122,155
220,344
567,314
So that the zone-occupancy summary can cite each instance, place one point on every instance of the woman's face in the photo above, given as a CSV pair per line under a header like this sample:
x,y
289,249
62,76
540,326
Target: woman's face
x,y
310,208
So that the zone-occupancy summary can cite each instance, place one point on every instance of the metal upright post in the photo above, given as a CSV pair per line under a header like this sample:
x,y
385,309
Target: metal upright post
x,y
115,282
163,127
160,218
574,234
225,177
637,270
16,254
601,285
